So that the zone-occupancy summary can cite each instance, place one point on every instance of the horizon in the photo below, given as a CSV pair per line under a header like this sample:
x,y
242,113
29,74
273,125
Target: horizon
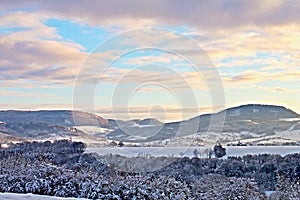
x,y
108,115
170,63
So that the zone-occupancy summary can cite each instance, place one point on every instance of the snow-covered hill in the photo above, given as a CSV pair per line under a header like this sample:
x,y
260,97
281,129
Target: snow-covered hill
x,y
251,123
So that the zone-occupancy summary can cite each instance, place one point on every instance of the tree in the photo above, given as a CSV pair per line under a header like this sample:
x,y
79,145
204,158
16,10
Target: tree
x,y
113,143
219,151
196,153
121,144
286,189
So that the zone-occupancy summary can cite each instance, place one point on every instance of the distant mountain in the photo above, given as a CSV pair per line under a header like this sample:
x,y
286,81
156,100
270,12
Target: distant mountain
x,y
252,121
149,122
241,122
47,124
58,117
260,119
257,111
135,122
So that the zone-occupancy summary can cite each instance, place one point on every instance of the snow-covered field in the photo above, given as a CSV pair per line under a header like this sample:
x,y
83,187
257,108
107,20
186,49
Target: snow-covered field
x,y
188,151
10,196
93,129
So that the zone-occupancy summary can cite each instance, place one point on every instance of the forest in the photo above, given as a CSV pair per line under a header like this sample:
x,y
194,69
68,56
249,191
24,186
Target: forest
x,y
62,168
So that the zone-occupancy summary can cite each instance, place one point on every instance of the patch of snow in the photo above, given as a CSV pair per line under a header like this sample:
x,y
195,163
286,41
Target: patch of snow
x,y
248,120
293,135
119,136
188,150
67,122
92,130
12,196
255,110
251,134
137,137
142,126
279,137
268,193
289,119
4,145
292,128
275,141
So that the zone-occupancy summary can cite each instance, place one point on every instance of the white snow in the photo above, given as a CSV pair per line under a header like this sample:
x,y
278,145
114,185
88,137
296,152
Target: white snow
x,y
268,193
4,145
142,126
289,119
67,122
291,134
255,110
92,130
11,196
188,150
282,137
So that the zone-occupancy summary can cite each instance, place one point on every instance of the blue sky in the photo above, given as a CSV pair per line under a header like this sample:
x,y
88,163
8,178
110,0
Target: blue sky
x,y
87,36
47,49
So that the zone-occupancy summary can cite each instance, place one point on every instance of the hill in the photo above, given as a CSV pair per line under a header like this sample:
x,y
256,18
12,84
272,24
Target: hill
x,y
252,123
242,122
46,124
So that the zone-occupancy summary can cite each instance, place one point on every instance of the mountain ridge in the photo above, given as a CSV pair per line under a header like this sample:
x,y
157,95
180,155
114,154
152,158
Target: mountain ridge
x,y
261,119
229,109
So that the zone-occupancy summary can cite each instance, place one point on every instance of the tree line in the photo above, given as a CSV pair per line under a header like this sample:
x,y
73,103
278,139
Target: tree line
x,y
62,168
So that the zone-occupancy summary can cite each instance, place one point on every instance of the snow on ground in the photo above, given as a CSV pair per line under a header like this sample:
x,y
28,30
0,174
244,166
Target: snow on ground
x,y
268,193
290,134
188,150
10,196
290,119
142,126
282,137
93,129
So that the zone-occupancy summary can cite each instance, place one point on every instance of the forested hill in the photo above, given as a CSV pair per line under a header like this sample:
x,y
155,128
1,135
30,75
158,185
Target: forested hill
x,y
55,117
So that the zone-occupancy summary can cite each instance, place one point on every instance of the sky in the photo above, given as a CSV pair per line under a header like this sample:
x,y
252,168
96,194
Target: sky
x,y
167,59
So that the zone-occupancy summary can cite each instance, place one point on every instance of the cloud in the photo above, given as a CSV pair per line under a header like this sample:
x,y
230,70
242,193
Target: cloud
x,y
35,52
26,94
233,33
39,60
60,60
32,106
274,89
279,89
240,42
204,14
250,78
27,25
170,79
143,60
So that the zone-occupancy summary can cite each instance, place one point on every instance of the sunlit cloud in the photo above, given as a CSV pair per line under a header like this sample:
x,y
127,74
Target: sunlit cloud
x,y
209,14
253,45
